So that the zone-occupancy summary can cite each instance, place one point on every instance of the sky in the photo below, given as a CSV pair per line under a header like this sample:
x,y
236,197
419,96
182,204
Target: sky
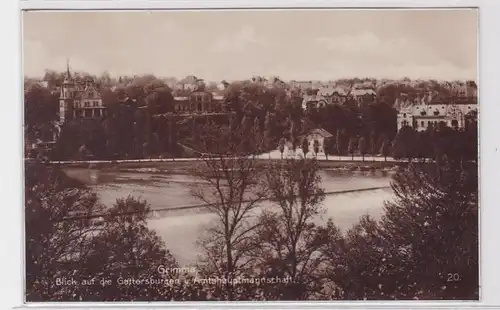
x,y
235,45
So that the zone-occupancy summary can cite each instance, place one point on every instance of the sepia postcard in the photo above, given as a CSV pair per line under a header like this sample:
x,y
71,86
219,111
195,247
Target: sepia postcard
x,y
251,155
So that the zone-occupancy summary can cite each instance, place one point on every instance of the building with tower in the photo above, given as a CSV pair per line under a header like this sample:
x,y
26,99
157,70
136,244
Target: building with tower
x,y
79,99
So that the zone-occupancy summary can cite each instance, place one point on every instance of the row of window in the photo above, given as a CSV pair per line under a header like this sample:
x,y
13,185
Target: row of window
x,y
200,98
197,107
90,113
69,93
88,104
428,123
404,114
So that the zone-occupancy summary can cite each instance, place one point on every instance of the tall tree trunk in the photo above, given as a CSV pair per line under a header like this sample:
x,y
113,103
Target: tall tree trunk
x,y
229,271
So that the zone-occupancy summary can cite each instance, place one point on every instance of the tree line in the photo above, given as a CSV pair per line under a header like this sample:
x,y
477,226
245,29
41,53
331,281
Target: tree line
x,y
273,114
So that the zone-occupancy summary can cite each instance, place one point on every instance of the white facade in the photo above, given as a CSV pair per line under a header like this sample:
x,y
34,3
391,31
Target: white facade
x,y
420,117
321,142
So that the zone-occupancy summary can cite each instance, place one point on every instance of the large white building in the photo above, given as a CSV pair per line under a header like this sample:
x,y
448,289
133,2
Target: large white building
x,y
422,116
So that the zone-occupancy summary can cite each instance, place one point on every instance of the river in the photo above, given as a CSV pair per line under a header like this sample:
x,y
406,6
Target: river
x,y
181,228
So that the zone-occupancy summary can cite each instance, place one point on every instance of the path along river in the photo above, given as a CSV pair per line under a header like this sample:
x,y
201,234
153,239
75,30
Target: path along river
x,y
181,228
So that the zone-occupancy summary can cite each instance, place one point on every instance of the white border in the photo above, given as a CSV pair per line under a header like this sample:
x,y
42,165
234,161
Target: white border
x,y
11,182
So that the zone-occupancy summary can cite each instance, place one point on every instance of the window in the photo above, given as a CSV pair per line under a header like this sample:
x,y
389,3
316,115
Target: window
x,y
422,123
404,115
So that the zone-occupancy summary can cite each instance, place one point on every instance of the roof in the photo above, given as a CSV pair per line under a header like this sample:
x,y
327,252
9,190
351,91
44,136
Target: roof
x,y
362,92
328,91
428,116
321,132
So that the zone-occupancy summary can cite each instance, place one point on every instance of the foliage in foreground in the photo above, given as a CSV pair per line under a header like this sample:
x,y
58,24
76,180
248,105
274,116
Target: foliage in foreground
x,y
64,247
424,247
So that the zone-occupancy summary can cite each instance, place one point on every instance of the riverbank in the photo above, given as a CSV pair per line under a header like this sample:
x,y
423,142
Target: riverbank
x,y
98,173
185,164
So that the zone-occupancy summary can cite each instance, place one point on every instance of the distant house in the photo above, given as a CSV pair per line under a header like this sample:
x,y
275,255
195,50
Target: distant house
x,y
324,96
80,99
317,134
198,102
363,95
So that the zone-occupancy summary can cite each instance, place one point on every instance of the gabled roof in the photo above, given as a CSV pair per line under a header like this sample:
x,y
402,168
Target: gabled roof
x,y
86,93
321,132
362,92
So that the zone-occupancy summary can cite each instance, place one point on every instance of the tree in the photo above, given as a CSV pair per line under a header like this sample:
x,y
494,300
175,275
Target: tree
x,y
437,205
372,148
281,146
426,244
363,147
71,235
404,144
327,146
159,97
305,146
352,147
293,135
257,135
316,147
385,149
268,138
231,190
339,142
40,110
287,243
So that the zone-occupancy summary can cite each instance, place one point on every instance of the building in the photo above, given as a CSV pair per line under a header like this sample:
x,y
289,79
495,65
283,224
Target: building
x,y
333,95
305,84
189,83
422,116
320,135
199,101
324,96
361,95
79,99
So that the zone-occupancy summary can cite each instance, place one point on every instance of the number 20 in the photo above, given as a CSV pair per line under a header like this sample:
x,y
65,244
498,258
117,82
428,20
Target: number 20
x,y
453,277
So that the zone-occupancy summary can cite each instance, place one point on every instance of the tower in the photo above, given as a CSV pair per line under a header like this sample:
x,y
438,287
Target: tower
x,y
66,97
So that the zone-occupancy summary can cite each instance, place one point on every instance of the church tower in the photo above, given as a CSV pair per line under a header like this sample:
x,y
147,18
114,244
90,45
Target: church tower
x,y
66,97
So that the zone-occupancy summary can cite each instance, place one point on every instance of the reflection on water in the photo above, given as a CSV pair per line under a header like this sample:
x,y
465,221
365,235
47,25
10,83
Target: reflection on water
x,y
180,229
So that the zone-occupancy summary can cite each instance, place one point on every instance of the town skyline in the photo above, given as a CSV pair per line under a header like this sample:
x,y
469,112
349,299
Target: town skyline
x,y
422,44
